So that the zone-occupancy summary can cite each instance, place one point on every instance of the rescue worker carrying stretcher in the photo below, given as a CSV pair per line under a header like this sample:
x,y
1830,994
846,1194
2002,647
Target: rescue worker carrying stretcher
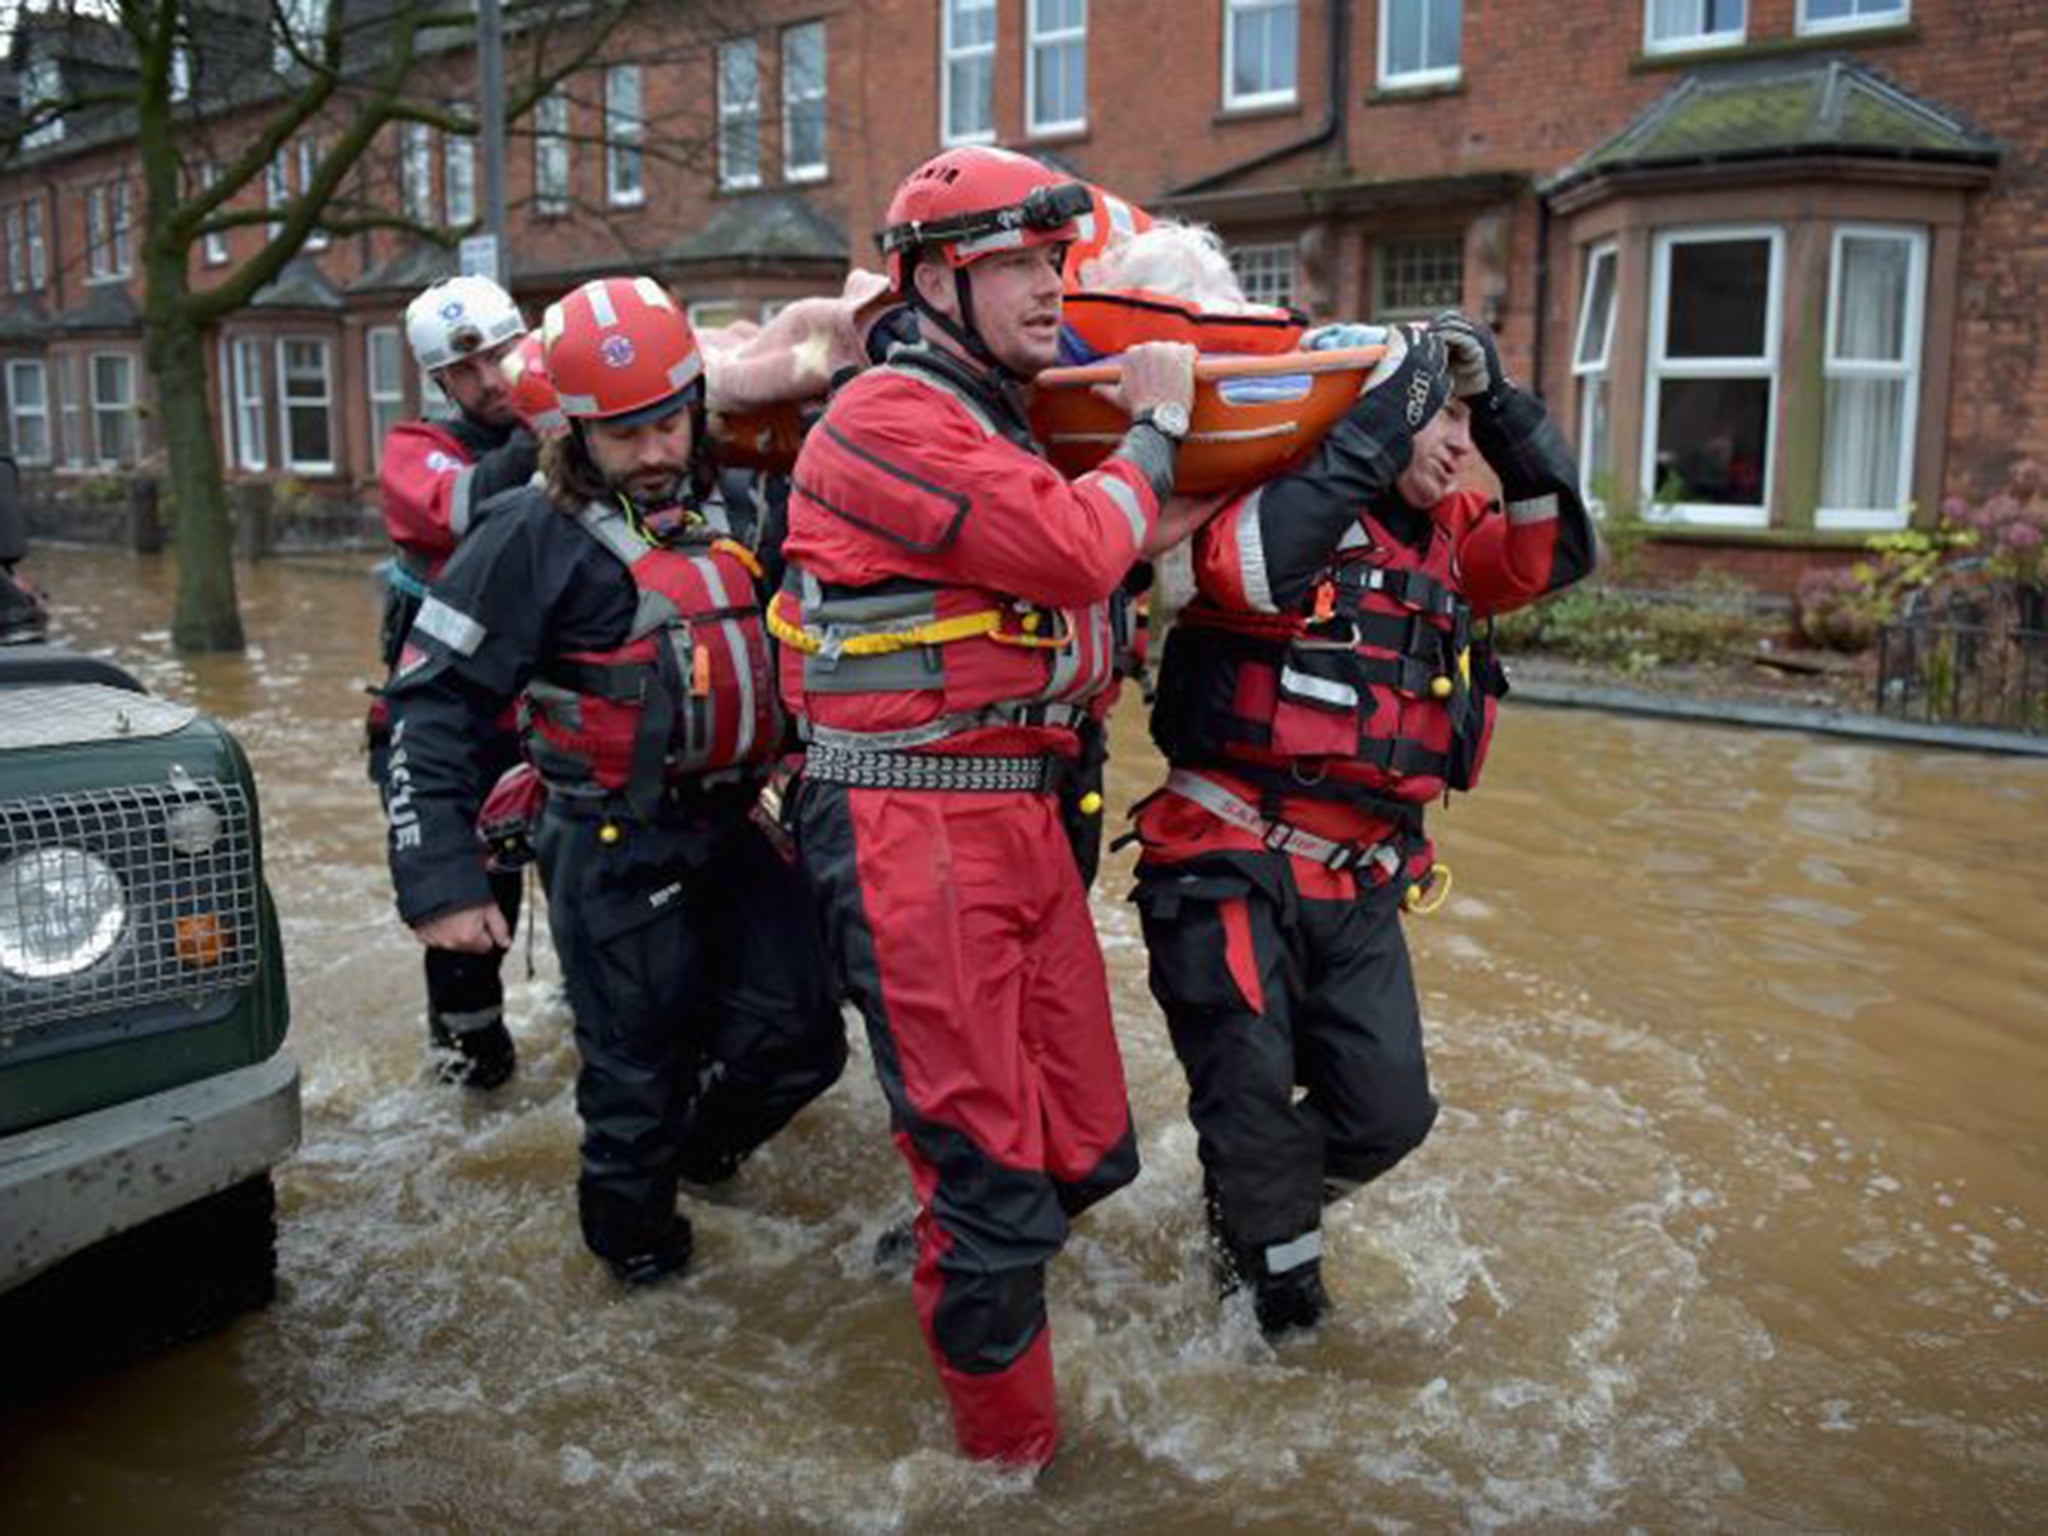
x,y
624,601
947,626
1328,681
436,475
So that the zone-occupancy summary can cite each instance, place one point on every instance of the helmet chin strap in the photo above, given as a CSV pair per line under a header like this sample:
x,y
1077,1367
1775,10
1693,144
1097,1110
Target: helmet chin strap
x,y
963,331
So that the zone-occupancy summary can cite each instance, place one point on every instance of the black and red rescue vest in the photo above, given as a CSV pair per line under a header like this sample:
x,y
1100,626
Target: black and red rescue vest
x,y
689,693
1373,690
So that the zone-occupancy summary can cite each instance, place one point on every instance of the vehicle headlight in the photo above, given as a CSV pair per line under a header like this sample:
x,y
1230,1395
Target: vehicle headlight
x,y
61,910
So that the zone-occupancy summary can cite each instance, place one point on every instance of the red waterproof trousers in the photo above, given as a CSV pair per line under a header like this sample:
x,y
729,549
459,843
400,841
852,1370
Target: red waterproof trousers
x,y
973,959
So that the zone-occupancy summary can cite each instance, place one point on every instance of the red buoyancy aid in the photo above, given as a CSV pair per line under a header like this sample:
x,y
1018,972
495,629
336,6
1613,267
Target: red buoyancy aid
x,y
899,662
1372,690
689,693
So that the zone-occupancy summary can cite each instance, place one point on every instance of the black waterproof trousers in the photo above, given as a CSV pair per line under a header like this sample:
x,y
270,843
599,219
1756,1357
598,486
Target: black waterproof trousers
x,y
1267,992
705,1015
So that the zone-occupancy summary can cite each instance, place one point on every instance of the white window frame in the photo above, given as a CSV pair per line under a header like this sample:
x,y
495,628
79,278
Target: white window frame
x,y
124,407
17,367
551,149
1409,79
287,402
181,73
821,168
392,399
733,112
711,314
277,188
625,133
251,409
1691,42
106,232
1246,259
1038,39
1907,369
458,169
305,163
951,53
1656,369
213,245
71,408
1806,26
1233,10
38,253
1597,369
416,171
17,251
41,81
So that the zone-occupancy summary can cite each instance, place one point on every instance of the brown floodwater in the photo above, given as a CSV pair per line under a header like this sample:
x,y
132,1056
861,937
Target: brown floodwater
x,y
1736,1217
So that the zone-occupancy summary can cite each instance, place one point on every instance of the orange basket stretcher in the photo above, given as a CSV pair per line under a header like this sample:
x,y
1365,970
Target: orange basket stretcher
x,y
1254,417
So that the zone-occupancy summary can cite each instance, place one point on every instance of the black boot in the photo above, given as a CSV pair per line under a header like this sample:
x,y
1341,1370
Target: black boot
x,y
473,1058
896,1249
641,1245
1289,1302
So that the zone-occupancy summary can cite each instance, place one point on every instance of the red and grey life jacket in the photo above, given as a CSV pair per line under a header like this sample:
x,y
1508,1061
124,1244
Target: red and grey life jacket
x,y
855,653
1372,690
688,694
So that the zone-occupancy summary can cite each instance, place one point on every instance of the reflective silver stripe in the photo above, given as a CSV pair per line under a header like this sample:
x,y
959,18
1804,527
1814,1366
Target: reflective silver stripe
x,y
1001,240
470,1022
1355,537
601,305
715,585
1127,503
1305,1249
945,387
1306,686
683,373
1537,509
1279,835
577,405
715,517
459,507
456,630
1251,555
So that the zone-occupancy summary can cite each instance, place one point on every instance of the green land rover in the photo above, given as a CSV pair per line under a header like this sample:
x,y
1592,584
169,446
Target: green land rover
x,y
144,1092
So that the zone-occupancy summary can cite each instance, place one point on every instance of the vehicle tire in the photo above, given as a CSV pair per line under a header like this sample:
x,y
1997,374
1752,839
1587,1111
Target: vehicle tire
x,y
186,1273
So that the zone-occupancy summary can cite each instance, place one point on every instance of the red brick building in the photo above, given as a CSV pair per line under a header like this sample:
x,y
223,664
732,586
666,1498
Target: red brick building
x,y
1775,264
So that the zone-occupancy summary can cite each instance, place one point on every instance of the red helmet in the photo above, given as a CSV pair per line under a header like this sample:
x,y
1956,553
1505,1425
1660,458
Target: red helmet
x,y
976,200
1108,220
534,399
619,346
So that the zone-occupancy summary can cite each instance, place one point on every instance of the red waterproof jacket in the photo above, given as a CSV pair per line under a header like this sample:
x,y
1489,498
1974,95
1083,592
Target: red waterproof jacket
x,y
948,588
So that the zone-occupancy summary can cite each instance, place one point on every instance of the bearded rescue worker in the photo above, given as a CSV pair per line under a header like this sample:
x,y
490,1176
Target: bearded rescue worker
x,y
622,599
436,474
946,623
1325,684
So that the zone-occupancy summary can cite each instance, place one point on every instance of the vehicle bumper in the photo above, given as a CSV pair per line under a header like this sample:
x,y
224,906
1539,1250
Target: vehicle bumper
x,y
66,1186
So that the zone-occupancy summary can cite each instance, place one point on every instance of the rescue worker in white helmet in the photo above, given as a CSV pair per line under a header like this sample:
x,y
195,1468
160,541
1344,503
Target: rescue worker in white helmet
x,y
622,598
436,475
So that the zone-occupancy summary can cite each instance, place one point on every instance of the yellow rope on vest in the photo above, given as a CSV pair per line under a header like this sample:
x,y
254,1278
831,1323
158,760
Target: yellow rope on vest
x,y
966,626
1421,900
741,553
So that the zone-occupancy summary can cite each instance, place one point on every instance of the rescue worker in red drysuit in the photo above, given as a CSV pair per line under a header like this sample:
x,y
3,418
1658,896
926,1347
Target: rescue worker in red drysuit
x,y
623,599
947,623
1329,679
435,476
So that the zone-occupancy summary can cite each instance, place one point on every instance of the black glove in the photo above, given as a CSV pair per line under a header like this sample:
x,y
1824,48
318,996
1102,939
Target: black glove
x,y
1408,387
1476,373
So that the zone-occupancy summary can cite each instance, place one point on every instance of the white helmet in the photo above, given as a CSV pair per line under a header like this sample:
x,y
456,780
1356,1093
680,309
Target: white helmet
x,y
459,316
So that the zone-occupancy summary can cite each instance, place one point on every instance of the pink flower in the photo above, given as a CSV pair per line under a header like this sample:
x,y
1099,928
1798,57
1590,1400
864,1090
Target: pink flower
x,y
2020,535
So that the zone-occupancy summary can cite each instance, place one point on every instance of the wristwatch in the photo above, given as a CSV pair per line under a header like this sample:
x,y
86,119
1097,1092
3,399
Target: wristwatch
x,y
1168,420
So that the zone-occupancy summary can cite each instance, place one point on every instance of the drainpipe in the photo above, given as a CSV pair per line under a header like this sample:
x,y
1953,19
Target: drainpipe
x,y
1542,292
1337,18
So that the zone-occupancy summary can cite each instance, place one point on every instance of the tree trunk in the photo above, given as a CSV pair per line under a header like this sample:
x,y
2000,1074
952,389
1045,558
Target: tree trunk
x,y
208,617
